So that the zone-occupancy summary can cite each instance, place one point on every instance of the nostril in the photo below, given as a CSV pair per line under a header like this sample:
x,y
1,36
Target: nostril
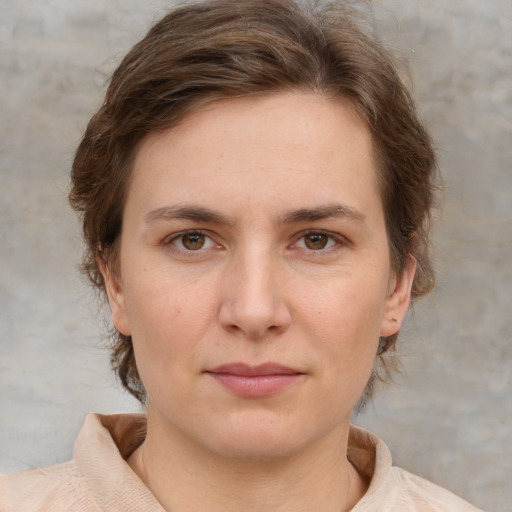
x,y
252,304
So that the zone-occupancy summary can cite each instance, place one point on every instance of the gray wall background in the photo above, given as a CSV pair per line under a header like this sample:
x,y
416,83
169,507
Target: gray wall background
x,y
448,419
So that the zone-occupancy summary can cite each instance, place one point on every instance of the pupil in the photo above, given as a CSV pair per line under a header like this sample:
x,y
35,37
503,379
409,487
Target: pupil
x,y
193,242
317,241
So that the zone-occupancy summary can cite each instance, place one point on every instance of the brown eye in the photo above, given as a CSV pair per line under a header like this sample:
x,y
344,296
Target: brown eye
x,y
316,241
193,241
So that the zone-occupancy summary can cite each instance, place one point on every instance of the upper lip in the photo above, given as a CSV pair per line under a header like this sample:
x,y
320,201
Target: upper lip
x,y
247,370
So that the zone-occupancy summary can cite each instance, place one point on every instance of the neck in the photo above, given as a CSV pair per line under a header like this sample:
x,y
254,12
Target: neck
x,y
184,477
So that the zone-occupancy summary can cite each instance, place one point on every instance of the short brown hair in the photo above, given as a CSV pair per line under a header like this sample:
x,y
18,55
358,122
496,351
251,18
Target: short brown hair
x,y
211,50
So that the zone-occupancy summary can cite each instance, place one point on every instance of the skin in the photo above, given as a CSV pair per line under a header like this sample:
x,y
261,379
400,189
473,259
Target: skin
x,y
254,232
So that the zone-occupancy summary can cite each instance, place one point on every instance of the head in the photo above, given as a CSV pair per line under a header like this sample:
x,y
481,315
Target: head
x,y
205,53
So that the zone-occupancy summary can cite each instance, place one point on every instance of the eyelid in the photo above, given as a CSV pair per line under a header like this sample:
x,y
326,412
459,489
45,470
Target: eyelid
x,y
339,240
169,240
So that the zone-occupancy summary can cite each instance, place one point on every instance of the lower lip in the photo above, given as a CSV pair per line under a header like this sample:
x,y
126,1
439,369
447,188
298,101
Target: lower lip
x,y
256,386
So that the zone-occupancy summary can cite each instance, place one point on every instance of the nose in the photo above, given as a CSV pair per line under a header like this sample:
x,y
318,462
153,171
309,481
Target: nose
x,y
254,297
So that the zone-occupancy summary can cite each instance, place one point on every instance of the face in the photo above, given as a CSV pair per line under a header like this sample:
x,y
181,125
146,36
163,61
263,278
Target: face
x,y
254,276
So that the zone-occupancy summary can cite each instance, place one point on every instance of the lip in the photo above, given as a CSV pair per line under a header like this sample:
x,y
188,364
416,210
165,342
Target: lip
x,y
255,381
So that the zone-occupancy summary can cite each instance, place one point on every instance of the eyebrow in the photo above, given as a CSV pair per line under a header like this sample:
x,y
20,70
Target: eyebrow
x,y
193,213
201,214
322,212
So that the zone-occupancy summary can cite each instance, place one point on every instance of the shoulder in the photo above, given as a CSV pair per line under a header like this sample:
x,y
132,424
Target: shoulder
x,y
417,494
56,488
392,489
97,478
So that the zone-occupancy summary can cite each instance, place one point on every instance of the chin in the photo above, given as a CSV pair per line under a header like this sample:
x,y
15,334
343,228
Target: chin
x,y
262,438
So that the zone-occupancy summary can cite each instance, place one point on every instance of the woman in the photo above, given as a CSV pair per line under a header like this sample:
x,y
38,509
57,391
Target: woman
x,y
255,194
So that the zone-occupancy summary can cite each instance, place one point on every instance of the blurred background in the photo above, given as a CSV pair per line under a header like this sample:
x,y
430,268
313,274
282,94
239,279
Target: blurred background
x,y
449,416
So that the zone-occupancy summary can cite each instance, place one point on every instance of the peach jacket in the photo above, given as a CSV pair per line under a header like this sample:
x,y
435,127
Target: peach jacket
x,y
99,479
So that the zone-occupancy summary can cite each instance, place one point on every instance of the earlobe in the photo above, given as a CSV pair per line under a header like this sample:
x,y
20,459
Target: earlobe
x,y
398,300
116,298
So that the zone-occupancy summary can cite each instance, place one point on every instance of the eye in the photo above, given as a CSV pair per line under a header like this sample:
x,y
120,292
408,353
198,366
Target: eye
x,y
192,241
316,241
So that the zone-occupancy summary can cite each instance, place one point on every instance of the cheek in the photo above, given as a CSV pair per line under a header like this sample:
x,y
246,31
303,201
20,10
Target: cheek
x,y
159,297
165,324
352,306
166,331
344,322
168,318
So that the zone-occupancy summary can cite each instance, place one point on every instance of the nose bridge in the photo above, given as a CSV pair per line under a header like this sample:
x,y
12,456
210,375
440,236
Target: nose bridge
x,y
256,277
253,298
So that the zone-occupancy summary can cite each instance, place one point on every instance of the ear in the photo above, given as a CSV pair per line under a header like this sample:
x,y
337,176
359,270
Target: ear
x,y
116,298
398,300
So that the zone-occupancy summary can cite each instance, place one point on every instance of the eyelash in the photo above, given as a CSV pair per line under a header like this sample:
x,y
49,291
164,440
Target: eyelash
x,y
338,240
173,239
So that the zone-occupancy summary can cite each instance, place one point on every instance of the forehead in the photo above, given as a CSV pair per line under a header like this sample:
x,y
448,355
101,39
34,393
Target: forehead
x,y
283,149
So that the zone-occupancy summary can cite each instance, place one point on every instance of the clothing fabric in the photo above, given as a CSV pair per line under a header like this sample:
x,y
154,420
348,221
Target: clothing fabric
x,y
99,479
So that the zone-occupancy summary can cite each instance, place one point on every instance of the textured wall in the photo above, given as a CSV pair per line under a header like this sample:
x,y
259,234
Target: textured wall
x,y
449,419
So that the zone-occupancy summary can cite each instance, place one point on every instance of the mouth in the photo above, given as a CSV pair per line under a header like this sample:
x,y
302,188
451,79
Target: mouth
x,y
255,381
